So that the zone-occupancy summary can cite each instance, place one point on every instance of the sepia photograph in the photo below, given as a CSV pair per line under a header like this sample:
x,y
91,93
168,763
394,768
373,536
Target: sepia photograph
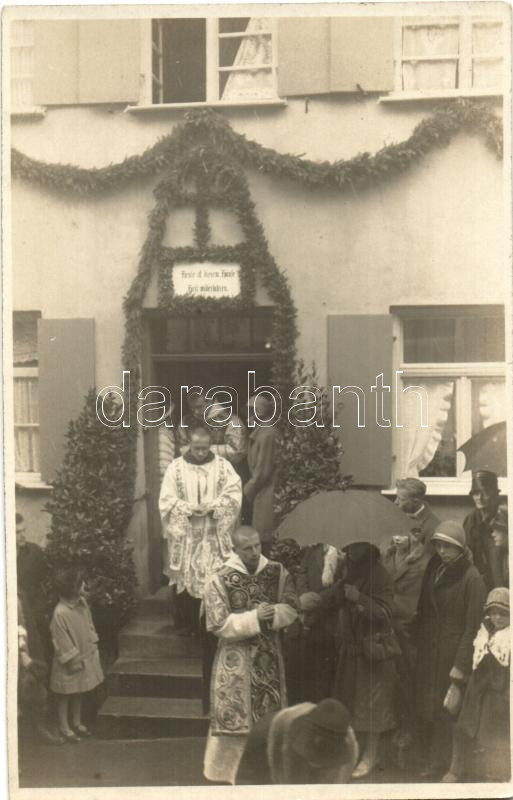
x,y
257,378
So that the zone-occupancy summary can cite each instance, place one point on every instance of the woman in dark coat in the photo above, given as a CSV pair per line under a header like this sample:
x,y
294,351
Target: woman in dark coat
x,y
364,597
449,613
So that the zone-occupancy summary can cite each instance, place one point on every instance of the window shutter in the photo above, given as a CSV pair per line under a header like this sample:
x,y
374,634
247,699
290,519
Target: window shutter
x,y
303,56
109,61
359,349
362,53
55,62
66,373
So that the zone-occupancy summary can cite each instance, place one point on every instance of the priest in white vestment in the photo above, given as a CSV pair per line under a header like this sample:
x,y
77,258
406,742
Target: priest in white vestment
x,y
200,501
247,603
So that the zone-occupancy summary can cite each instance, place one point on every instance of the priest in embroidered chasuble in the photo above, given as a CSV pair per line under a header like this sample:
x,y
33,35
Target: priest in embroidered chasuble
x,y
200,501
247,603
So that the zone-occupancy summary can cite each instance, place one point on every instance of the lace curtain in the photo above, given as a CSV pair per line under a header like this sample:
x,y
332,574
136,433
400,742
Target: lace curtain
x,y
26,424
254,51
425,41
419,444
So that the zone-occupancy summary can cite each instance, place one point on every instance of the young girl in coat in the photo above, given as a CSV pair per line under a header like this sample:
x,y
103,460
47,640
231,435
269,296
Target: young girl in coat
x,y
482,737
76,665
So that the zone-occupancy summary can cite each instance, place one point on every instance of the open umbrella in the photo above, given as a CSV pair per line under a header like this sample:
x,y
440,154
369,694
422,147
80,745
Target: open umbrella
x,y
342,517
487,450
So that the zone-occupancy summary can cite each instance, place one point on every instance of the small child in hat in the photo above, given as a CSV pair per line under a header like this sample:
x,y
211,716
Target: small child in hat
x,y
482,733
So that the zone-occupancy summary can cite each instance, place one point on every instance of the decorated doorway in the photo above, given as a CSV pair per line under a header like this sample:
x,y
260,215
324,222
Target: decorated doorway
x,y
199,349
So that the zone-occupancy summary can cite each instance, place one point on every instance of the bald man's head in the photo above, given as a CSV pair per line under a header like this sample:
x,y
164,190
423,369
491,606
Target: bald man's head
x,y
246,543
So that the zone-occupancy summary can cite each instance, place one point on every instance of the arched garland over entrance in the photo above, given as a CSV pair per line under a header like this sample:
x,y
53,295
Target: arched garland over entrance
x,y
204,151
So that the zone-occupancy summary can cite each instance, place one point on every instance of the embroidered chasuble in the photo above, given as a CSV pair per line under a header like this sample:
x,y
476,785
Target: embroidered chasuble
x,y
198,545
248,677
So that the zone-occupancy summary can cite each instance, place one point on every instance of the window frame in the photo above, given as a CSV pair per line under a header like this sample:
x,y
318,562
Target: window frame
x,y
29,109
462,373
212,71
28,479
465,59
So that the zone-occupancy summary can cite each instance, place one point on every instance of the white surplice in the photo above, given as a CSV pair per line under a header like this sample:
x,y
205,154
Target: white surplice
x,y
198,546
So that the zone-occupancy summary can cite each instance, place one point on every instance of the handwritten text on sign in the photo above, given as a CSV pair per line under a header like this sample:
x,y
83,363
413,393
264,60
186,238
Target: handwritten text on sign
x,y
206,280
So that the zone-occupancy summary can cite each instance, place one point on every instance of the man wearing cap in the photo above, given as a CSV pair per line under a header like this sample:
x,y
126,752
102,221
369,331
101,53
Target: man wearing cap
x,y
448,617
479,525
247,602
410,498
303,744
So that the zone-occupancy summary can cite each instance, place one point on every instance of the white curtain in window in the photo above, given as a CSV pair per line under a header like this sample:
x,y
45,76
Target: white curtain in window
x,y
26,412
418,444
254,51
492,403
425,41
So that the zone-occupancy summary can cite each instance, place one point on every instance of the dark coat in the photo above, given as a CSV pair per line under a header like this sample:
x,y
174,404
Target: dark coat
x,y
317,646
407,571
367,689
484,718
448,617
487,557
263,469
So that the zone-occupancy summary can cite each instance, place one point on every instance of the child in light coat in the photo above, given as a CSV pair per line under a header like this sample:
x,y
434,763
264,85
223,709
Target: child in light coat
x,y
482,734
76,665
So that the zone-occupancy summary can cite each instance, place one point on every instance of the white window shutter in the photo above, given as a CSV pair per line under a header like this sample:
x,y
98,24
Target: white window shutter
x,y
55,62
303,56
362,54
109,61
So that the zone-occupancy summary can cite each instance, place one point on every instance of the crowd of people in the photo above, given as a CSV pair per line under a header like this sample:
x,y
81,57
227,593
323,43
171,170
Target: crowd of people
x,y
314,658
405,638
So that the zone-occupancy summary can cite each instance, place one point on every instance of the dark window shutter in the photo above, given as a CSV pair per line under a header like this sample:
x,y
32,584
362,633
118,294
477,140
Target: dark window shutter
x,y
66,373
362,54
109,61
359,349
55,62
303,56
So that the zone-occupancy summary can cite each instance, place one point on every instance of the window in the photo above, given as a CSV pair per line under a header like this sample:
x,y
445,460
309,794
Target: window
x,y
22,65
247,332
449,56
26,403
455,359
229,60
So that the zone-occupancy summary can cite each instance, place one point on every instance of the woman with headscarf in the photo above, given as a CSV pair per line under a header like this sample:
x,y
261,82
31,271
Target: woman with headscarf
x,y
364,597
449,612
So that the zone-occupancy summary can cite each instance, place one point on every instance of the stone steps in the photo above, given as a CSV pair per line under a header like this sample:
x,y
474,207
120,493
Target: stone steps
x,y
155,686
175,677
127,717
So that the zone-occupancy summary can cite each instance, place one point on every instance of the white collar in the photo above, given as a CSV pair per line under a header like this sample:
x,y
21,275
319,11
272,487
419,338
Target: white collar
x,y
235,562
417,513
497,643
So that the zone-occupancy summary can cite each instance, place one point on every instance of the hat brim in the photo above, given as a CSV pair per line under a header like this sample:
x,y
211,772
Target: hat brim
x,y
442,537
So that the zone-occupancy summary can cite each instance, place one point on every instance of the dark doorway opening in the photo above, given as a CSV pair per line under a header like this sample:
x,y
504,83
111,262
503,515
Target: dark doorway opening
x,y
206,350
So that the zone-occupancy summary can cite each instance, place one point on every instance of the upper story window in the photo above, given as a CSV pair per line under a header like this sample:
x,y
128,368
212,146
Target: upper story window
x,y
22,65
455,359
449,56
210,60
26,385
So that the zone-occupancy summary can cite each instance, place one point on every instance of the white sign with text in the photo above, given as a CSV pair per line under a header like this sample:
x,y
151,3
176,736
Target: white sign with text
x,y
206,280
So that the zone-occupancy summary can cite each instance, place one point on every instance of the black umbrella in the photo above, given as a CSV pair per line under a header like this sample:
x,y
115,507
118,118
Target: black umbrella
x,y
487,450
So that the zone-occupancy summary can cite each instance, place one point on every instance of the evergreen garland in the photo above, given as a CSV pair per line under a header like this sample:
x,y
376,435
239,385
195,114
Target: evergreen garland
x,y
205,151
199,127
